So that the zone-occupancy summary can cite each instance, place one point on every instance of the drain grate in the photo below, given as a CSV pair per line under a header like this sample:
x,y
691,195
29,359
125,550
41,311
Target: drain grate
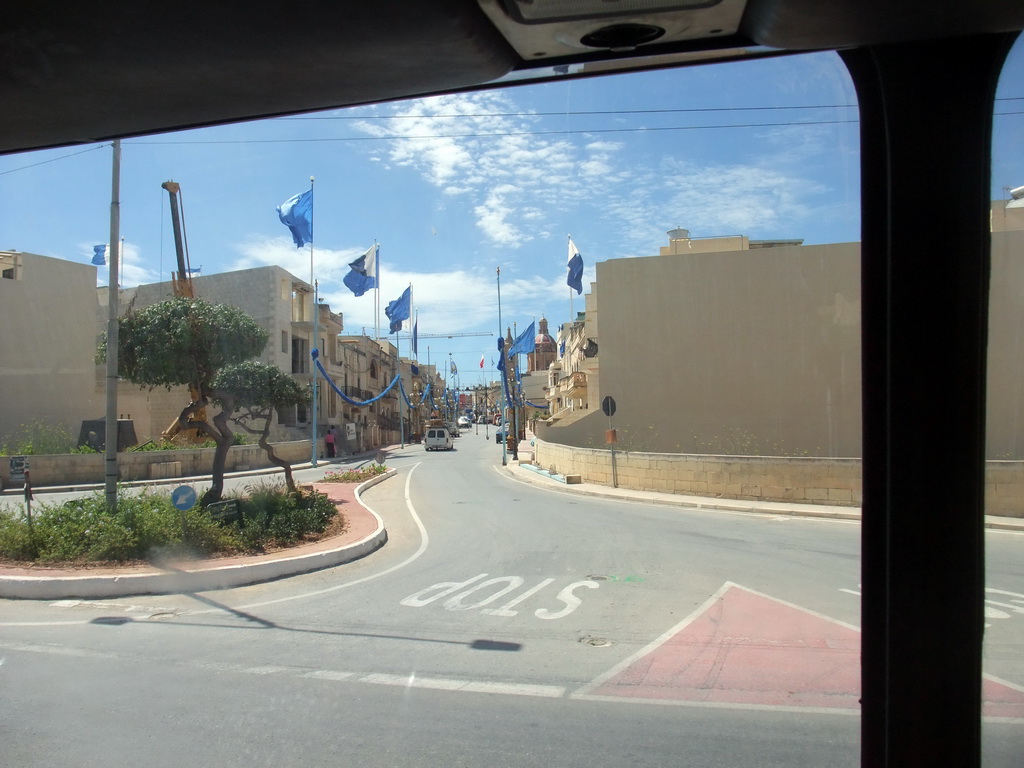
x,y
596,642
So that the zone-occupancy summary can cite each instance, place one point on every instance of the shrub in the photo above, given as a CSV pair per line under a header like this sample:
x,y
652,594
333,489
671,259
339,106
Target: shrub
x,y
146,526
272,515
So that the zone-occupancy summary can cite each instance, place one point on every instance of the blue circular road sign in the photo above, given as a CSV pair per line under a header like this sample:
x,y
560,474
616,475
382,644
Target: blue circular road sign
x,y
183,497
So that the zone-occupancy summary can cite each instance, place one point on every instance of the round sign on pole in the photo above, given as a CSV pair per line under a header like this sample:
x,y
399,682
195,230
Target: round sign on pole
x,y
183,497
608,406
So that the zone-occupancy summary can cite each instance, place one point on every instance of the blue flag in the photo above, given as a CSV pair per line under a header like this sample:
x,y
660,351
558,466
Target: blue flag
x,y
99,255
363,274
575,267
501,354
455,368
526,342
296,213
399,310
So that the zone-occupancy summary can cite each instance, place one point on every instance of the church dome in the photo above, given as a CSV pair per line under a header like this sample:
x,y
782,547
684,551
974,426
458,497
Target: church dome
x,y
543,337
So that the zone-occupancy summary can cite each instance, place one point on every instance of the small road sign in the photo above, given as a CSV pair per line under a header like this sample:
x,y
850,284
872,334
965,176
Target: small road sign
x,y
183,497
608,406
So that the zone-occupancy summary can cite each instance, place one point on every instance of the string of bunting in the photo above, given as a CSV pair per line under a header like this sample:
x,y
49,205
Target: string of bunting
x,y
315,354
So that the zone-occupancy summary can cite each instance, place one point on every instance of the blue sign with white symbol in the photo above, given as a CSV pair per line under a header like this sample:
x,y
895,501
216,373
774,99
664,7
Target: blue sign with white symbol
x,y
183,497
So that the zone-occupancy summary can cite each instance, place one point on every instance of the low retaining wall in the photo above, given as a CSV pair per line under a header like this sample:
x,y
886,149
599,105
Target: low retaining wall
x,y
88,469
835,482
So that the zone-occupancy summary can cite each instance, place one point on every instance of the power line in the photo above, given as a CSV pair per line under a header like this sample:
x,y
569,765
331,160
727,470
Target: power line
x,y
495,135
565,113
53,159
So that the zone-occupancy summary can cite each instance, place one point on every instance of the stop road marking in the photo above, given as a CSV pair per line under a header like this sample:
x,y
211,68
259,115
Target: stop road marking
x,y
457,593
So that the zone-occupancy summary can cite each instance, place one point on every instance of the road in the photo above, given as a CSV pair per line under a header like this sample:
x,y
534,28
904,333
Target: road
x,y
503,624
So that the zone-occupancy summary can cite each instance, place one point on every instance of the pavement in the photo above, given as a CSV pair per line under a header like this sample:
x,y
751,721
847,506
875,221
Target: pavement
x,y
364,534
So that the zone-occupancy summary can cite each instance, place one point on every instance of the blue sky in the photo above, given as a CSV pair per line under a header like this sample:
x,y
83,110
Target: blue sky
x,y
453,187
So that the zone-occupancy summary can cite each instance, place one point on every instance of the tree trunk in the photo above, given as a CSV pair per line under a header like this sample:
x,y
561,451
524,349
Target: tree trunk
x,y
225,439
273,457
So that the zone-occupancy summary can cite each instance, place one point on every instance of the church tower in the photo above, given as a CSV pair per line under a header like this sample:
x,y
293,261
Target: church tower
x,y
545,349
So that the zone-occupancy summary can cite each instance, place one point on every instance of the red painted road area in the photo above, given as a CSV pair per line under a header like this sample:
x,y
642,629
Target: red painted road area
x,y
748,649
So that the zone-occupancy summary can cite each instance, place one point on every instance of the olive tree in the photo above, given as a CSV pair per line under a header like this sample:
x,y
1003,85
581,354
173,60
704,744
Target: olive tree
x,y
257,389
188,342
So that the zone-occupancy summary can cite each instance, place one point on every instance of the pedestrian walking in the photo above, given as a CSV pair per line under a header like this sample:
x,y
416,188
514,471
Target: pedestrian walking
x,y
330,441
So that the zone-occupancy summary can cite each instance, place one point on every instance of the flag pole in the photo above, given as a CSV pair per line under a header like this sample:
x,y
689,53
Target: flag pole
x,y
316,326
376,283
501,351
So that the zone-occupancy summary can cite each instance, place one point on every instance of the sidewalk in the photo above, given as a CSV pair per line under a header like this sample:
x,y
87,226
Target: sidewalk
x,y
530,474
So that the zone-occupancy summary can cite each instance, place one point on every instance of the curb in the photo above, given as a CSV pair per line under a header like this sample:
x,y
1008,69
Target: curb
x,y
817,511
198,579
192,479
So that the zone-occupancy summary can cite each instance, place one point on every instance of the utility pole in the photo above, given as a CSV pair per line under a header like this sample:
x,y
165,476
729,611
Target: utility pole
x,y
110,471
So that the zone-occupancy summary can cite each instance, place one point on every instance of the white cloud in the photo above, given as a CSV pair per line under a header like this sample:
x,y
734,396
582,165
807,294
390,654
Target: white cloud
x,y
131,266
477,146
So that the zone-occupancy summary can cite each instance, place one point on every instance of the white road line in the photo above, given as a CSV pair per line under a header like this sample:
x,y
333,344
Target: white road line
x,y
327,674
718,705
58,650
471,686
653,645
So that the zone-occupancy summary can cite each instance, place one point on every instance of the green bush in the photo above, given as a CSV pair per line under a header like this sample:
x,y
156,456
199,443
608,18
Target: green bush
x,y
146,526
272,515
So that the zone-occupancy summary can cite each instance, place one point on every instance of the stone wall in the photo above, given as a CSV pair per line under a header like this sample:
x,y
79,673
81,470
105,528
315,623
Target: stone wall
x,y
835,482
88,469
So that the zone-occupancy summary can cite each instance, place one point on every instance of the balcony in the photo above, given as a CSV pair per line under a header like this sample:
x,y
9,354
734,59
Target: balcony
x,y
573,385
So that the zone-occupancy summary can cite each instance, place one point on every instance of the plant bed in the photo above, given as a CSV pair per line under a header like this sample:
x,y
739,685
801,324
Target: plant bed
x,y
147,529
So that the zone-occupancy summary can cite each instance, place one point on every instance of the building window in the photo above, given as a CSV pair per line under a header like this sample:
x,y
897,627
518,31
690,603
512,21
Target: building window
x,y
284,341
300,356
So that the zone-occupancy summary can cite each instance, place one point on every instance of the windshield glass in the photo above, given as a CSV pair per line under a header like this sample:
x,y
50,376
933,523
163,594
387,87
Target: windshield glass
x,y
629,306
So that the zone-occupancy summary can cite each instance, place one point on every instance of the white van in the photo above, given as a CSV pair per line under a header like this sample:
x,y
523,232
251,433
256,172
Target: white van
x,y
438,439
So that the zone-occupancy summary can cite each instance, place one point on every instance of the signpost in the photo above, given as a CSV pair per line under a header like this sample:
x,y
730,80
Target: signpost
x,y
18,466
610,438
184,498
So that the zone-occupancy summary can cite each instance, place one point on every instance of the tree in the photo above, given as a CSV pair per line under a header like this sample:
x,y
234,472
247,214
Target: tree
x,y
189,342
257,389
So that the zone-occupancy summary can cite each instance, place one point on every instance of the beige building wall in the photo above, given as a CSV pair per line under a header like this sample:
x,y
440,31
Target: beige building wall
x,y
746,351
757,352
49,324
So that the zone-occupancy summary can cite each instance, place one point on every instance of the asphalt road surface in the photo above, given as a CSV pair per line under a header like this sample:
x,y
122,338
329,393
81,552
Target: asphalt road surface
x,y
502,625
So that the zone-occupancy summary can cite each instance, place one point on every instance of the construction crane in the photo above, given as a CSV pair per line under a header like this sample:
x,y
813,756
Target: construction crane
x,y
181,281
181,284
